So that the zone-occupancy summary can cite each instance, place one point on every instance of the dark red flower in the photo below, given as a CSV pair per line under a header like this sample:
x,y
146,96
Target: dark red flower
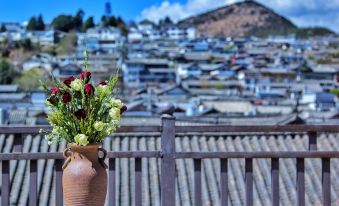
x,y
85,75
53,100
66,97
123,109
54,90
102,83
69,80
80,114
89,89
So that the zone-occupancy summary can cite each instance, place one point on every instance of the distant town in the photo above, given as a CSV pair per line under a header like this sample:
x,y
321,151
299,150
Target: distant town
x,y
164,68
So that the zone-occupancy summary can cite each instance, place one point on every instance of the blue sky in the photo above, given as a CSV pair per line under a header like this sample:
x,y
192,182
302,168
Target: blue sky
x,y
302,12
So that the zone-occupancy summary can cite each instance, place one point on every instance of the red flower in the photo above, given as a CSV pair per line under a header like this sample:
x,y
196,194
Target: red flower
x,y
89,89
69,80
54,90
85,75
123,109
80,114
102,83
66,97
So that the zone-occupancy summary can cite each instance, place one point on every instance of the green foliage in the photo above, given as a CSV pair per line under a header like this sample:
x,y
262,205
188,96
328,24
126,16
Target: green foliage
x,y
166,21
335,91
219,86
40,25
31,24
5,41
308,32
335,54
7,73
63,23
104,21
67,23
26,44
78,19
310,57
112,21
80,116
3,28
89,23
66,44
29,80
36,24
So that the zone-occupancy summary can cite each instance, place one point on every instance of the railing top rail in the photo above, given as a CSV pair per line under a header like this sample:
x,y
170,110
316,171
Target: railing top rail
x,y
35,129
259,128
182,155
59,155
191,129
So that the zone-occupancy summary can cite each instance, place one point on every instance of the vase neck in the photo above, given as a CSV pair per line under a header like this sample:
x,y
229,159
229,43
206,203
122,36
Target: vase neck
x,y
89,151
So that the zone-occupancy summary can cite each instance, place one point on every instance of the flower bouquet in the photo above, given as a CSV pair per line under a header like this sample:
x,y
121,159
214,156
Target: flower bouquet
x,y
83,115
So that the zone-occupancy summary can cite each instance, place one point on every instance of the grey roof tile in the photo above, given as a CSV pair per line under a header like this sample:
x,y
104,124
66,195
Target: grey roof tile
x,y
184,167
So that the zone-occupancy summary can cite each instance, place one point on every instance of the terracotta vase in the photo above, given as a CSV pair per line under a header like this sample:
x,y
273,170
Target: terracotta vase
x,y
84,178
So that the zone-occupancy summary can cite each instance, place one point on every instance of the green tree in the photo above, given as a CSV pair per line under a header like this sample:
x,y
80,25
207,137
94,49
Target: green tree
x,y
63,23
40,25
32,24
3,28
5,41
29,79
26,44
78,19
7,73
104,21
89,23
119,21
166,21
112,21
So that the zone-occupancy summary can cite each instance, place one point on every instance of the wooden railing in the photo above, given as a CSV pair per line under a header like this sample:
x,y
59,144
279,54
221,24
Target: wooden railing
x,y
168,155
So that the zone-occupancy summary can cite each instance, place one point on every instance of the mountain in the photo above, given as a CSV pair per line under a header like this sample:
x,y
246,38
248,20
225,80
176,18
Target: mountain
x,y
247,18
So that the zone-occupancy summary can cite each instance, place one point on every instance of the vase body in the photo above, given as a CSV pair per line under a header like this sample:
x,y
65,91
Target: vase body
x,y
84,177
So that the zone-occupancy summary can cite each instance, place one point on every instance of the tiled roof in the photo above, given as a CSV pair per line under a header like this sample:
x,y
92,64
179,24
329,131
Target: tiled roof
x,y
184,184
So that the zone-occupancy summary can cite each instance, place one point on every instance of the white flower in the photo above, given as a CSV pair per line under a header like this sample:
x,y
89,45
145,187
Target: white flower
x,y
56,130
99,126
114,113
76,85
81,139
47,137
103,90
116,103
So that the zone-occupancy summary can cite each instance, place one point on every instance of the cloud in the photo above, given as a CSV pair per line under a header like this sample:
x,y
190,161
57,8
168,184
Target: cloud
x,y
301,12
179,11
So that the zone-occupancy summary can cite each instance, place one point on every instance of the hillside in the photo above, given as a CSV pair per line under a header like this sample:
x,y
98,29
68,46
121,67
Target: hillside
x,y
247,18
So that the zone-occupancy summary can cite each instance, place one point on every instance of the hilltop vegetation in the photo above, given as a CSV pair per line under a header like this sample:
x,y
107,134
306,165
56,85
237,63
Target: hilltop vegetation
x,y
308,32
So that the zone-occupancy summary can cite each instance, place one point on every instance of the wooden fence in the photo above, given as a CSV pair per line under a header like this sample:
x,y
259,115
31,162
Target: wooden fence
x,y
168,155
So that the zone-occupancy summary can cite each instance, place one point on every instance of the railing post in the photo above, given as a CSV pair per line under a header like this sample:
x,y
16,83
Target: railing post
x,y
5,187
167,162
59,199
17,143
312,141
111,179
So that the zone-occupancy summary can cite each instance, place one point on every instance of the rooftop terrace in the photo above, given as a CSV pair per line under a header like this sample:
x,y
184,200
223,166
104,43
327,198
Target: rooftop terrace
x,y
209,165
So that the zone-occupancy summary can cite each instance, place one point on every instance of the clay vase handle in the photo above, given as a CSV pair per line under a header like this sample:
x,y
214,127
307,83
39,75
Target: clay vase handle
x,y
102,159
68,157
